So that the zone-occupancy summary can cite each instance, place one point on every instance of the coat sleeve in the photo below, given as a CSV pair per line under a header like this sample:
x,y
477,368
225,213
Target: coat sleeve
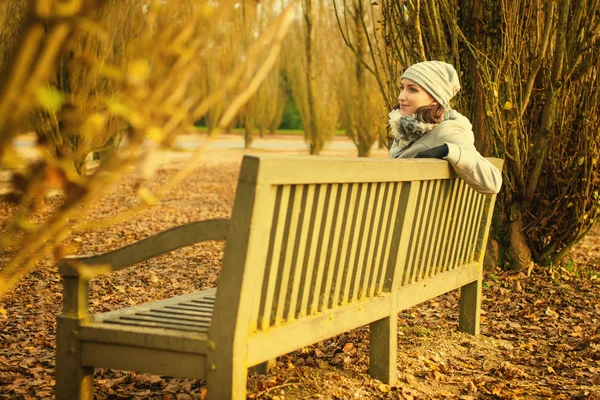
x,y
476,170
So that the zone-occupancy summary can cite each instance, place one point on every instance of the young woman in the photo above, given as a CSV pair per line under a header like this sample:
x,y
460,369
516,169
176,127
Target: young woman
x,y
425,126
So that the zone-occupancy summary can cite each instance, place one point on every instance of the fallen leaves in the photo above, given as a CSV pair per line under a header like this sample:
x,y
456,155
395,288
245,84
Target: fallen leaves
x,y
540,335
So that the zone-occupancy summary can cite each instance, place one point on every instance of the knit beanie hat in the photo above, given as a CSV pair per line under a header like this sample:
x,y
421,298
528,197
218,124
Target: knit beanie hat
x,y
436,77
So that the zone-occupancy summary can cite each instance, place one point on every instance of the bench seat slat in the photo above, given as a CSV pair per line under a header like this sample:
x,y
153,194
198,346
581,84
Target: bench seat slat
x,y
174,316
187,307
177,311
167,321
150,324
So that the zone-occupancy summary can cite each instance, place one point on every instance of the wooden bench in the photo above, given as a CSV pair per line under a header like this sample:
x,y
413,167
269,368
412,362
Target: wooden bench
x,y
315,247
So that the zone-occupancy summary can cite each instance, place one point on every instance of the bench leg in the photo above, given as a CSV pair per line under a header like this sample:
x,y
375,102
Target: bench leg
x,y
384,349
470,307
73,381
227,380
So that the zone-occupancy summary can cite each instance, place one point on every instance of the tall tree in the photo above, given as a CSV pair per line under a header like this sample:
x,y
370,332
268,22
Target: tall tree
x,y
362,107
156,98
518,62
310,69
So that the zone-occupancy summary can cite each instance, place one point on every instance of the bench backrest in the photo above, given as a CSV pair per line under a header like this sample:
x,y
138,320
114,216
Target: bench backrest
x,y
309,234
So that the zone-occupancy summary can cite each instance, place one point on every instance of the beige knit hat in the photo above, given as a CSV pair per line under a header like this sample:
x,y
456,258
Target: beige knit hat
x,y
437,77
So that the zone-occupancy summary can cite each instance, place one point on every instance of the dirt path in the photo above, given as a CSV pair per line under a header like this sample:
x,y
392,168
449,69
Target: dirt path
x,y
540,334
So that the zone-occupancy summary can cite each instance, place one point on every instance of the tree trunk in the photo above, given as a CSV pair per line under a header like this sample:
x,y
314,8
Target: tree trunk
x,y
519,250
313,129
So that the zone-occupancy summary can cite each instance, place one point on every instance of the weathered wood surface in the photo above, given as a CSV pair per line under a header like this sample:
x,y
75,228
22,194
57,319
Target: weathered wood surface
x,y
315,247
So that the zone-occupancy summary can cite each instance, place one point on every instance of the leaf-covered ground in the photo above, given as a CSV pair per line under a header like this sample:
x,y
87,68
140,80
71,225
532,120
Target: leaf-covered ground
x,y
540,333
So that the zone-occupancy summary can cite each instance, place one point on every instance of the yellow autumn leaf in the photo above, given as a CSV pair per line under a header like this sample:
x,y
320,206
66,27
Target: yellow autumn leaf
x,y
508,105
2,311
581,160
155,134
138,72
147,196
50,98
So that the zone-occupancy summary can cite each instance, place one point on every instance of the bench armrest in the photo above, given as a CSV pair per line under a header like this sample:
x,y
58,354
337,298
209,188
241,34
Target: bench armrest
x,y
163,242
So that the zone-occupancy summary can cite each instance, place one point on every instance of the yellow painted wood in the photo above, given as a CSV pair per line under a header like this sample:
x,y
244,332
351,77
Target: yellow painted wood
x,y
447,224
342,260
387,266
487,221
431,244
382,227
227,372
289,337
363,266
285,275
477,230
418,292
300,267
160,339
164,242
470,307
352,274
332,253
268,314
322,259
318,226
373,241
73,380
340,245
425,228
307,170
471,218
262,220
474,221
454,225
383,349
416,239
465,220
144,359
408,202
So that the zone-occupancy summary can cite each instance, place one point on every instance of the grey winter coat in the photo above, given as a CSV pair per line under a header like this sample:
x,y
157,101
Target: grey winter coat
x,y
457,133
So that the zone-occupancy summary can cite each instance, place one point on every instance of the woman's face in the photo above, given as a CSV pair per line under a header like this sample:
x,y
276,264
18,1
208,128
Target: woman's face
x,y
413,96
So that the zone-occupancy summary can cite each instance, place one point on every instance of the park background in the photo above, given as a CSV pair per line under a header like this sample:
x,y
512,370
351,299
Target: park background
x,y
129,100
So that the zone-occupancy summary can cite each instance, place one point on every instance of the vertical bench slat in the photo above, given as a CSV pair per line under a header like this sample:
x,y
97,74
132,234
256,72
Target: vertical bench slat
x,y
415,237
469,221
431,208
385,209
453,227
289,242
387,262
347,228
474,238
271,270
450,200
362,265
434,236
484,229
408,198
370,258
330,260
466,251
354,263
314,240
324,241
303,248
462,222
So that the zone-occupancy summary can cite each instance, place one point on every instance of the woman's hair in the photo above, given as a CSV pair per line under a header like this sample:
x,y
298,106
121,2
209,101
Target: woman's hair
x,y
431,114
